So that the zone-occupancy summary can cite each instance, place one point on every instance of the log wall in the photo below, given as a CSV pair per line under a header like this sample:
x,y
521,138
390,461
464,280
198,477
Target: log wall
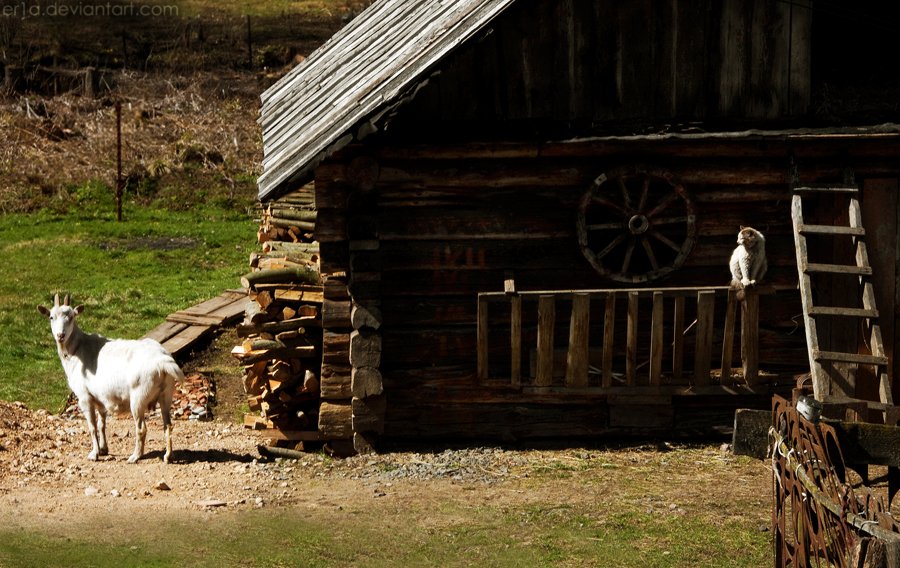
x,y
448,222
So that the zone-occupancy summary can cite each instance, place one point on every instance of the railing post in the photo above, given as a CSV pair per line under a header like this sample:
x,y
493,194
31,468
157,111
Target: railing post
x,y
656,339
546,324
609,329
515,340
703,350
482,339
578,354
750,336
728,339
678,340
631,340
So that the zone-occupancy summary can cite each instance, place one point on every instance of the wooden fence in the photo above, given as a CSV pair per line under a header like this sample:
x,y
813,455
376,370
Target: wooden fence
x,y
697,343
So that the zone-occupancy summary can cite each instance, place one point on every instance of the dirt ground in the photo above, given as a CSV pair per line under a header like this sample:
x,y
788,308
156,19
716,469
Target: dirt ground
x,y
45,478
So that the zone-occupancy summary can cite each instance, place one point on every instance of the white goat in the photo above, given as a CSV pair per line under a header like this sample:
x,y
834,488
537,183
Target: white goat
x,y
114,375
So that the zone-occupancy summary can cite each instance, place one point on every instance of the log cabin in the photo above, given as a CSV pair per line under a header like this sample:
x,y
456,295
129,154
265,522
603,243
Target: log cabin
x,y
526,210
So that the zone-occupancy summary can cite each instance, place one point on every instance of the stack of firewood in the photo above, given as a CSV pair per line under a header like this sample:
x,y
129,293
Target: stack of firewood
x,y
282,329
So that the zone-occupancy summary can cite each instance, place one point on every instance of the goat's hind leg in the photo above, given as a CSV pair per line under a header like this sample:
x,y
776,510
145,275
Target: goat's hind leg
x,y
102,447
165,406
140,431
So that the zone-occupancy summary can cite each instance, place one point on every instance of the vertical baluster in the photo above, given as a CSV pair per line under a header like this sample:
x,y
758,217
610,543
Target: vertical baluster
x,y
609,327
631,340
750,336
656,339
579,328
482,339
546,323
728,338
703,351
678,340
515,340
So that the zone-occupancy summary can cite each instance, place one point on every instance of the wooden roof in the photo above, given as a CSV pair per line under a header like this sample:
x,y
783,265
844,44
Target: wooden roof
x,y
357,76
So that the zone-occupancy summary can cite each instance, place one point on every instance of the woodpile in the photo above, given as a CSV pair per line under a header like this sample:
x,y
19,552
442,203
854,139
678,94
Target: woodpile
x,y
282,328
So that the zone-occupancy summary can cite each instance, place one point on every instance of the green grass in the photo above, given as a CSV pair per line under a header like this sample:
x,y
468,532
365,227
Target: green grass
x,y
447,535
129,276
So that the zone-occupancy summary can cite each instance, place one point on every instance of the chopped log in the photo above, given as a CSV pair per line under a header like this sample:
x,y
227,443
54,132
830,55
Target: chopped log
x,y
287,224
247,357
336,347
366,381
305,274
274,327
365,348
292,214
311,294
365,316
300,249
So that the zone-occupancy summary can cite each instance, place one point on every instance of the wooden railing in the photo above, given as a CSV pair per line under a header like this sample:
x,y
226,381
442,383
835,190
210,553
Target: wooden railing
x,y
673,314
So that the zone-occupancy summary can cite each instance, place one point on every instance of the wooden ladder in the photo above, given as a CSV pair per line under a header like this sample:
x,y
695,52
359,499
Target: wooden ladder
x,y
823,363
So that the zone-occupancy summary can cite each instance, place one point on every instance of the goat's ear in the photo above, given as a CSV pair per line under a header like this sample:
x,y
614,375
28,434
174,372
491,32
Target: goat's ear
x,y
79,309
44,311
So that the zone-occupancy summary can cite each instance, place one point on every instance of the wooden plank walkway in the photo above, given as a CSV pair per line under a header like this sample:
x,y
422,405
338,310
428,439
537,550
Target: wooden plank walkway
x,y
183,329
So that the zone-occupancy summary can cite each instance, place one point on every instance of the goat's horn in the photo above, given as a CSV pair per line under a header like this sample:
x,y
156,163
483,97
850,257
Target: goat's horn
x,y
66,301
56,300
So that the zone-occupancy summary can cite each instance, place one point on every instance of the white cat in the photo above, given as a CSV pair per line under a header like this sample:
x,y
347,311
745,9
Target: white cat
x,y
748,261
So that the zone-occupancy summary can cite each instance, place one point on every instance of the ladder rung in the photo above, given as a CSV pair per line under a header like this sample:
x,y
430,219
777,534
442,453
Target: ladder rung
x,y
849,312
850,358
827,189
839,269
831,230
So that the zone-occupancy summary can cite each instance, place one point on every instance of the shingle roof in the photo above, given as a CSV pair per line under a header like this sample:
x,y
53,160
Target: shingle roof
x,y
363,70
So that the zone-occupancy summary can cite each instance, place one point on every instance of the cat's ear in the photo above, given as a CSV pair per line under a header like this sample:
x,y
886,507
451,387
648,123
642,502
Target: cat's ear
x,y
742,227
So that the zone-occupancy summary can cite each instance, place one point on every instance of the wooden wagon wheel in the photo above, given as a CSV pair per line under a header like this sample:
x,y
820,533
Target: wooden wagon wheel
x,y
636,225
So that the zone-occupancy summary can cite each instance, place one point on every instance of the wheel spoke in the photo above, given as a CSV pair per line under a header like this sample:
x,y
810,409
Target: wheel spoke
x,y
607,203
665,240
650,256
670,220
665,202
626,262
616,242
605,226
644,191
626,197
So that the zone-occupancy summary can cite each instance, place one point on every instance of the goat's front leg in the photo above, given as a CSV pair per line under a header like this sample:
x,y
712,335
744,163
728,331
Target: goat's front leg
x,y
140,437
89,410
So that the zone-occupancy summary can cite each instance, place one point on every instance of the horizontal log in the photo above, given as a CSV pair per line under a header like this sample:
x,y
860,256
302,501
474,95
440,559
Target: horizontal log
x,y
290,247
336,382
291,214
279,326
336,314
336,420
248,357
290,223
336,347
365,315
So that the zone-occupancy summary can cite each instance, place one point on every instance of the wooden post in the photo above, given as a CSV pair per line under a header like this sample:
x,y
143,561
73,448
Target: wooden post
x,y
482,339
750,336
678,340
728,338
546,322
703,351
631,338
515,340
579,327
609,328
656,339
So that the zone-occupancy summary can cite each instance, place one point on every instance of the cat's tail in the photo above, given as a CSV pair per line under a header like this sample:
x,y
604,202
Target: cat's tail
x,y
738,290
